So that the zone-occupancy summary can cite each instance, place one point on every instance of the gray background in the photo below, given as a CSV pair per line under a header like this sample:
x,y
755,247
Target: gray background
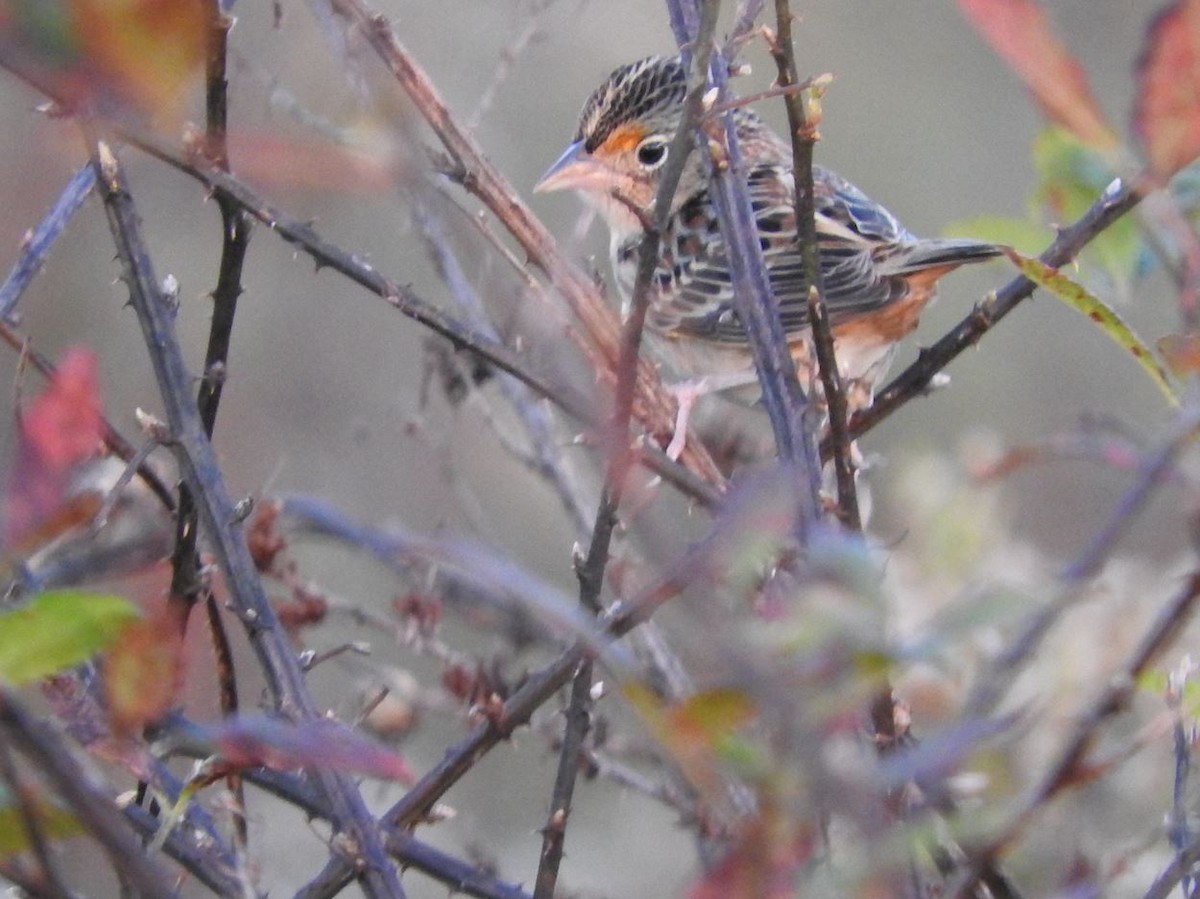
x,y
322,391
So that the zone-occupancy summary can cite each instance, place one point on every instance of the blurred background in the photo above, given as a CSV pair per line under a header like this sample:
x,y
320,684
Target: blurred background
x,y
323,390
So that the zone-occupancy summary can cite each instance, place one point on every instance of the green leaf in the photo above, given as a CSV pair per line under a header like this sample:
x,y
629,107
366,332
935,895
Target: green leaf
x,y
1110,323
1026,236
57,824
57,631
1071,176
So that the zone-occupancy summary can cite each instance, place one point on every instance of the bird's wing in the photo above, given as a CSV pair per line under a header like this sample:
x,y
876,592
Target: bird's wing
x,y
695,295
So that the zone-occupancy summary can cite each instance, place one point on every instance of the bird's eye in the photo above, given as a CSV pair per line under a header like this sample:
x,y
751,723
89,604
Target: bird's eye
x,y
652,152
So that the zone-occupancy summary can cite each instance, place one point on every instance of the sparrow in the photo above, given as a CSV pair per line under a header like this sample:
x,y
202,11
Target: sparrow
x,y
877,276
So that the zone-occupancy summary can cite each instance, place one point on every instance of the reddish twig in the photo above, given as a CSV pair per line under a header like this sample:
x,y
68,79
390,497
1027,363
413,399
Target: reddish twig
x,y
408,302
803,134
476,173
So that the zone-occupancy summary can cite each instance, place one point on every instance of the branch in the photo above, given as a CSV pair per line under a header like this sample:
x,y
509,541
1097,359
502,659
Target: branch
x,y
787,407
592,569
38,244
188,852
1117,199
478,176
546,456
26,805
82,792
406,301
198,465
803,133
187,586
1065,771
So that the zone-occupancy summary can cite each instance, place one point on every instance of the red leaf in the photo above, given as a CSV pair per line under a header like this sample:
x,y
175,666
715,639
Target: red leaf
x,y
1020,33
143,54
1167,112
62,428
763,863
143,671
148,51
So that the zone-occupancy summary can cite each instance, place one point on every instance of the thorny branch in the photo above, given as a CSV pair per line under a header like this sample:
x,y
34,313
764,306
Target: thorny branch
x,y
591,570
26,804
37,246
1066,771
1117,199
341,802
481,178
792,416
408,302
198,464
83,795
187,585
803,133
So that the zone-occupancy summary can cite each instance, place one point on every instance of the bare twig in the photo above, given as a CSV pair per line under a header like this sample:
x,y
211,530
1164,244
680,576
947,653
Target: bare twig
x,y
501,723
545,453
408,302
803,133
235,238
1179,832
198,464
1182,864
744,25
477,175
85,796
791,416
460,876
554,832
35,833
212,871
1117,199
1065,771
38,244
187,587
792,419
591,570
498,579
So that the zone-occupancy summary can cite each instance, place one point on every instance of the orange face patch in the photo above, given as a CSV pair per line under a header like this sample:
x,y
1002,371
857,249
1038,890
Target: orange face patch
x,y
622,140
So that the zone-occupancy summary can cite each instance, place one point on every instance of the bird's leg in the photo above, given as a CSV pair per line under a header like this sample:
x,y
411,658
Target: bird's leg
x,y
686,394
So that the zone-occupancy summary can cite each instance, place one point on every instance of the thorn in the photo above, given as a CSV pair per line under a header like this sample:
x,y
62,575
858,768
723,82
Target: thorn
x,y
154,428
169,290
242,510
108,165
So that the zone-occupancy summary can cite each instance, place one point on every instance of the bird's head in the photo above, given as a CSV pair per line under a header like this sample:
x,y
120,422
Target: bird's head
x,y
623,140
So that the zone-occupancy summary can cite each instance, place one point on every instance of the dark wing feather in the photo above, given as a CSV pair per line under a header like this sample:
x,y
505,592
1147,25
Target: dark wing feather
x,y
864,253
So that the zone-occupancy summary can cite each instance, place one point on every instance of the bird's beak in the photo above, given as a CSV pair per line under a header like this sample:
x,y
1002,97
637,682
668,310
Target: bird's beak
x,y
572,171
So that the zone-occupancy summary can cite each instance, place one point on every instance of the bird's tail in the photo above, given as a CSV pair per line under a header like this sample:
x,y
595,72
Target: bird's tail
x,y
945,254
